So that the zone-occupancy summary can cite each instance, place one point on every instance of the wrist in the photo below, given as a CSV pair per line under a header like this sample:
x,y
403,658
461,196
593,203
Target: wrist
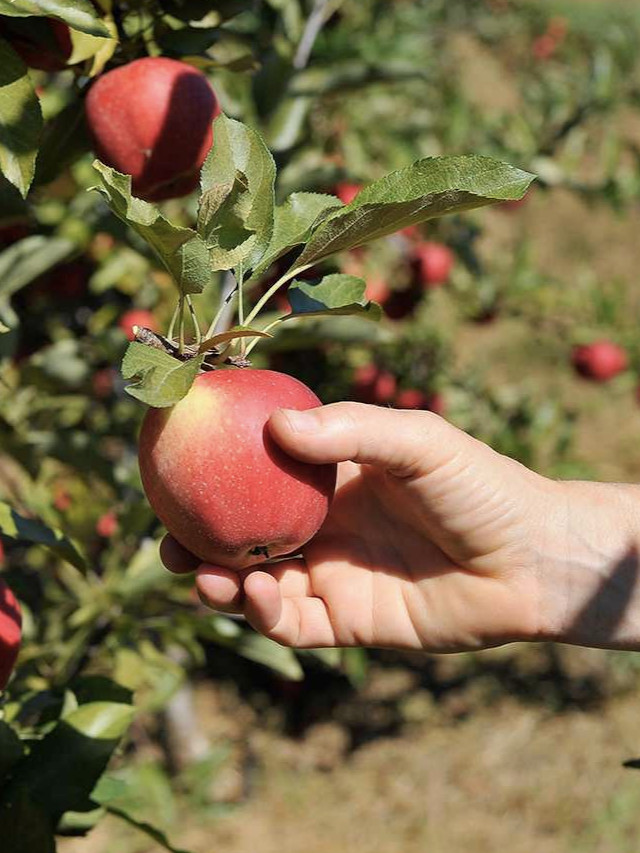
x,y
589,567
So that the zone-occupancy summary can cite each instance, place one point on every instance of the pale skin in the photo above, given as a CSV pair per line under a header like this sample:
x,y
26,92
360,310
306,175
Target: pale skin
x,y
436,542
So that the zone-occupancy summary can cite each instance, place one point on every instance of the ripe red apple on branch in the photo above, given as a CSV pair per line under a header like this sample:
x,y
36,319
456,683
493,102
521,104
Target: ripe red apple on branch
x,y
151,119
216,479
10,632
42,43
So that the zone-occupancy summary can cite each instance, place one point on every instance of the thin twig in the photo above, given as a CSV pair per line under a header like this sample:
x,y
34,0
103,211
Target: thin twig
x,y
315,22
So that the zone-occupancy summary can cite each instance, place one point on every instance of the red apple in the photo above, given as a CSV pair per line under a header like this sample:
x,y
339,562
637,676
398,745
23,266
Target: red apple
x,y
103,382
412,398
373,385
377,290
62,499
219,483
10,632
107,525
66,282
601,360
396,304
543,47
41,43
347,192
435,262
137,317
10,234
151,119
515,204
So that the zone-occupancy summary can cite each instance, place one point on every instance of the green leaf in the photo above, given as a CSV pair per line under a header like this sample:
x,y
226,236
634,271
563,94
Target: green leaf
x,y
248,644
79,14
99,50
429,188
334,294
237,202
24,825
162,380
124,800
22,529
260,649
181,250
27,259
63,768
20,120
293,223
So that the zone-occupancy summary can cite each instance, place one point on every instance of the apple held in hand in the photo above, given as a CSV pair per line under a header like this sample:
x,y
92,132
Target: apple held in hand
x,y
10,632
218,482
151,119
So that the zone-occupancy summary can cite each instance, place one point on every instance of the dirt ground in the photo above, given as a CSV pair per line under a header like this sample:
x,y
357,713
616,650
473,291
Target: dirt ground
x,y
499,761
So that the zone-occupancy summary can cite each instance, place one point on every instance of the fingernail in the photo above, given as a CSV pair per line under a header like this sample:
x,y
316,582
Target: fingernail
x,y
301,421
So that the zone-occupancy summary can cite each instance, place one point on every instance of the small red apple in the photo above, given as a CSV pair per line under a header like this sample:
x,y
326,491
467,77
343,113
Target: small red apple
x,y
543,47
413,398
62,499
600,360
41,43
103,381
411,232
66,282
10,632
346,192
151,119
373,385
216,479
377,290
10,234
107,525
396,304
137,317
435,262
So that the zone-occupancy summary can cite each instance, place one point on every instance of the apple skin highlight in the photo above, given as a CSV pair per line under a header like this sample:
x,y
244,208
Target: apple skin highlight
x,y
217,480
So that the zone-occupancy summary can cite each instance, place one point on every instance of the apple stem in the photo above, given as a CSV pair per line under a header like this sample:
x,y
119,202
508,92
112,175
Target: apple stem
x,y
270,292
172,324
194,320
181,325
267,328
225,302
241,306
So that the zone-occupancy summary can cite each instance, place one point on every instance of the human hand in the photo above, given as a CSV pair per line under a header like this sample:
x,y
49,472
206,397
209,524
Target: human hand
x,y
433,540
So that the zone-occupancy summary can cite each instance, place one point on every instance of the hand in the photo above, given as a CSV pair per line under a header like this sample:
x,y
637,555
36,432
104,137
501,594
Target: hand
x,y
433,540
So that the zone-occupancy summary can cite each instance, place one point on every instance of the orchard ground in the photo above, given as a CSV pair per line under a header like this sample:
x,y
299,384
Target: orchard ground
x,y
520,748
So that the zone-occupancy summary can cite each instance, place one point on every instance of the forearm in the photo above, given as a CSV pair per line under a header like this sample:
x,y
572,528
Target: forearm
x,y
590,574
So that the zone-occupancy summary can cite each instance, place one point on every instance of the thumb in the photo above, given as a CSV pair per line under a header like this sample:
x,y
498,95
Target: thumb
x,y
405,443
